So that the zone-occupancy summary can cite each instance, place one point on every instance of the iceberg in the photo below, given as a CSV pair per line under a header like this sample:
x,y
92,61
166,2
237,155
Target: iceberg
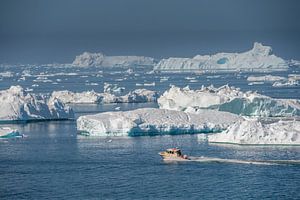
x,y
252,131
98,59
288,83
7,132
18,105
153,121
228,99
92,97
112,88
260,59
266,78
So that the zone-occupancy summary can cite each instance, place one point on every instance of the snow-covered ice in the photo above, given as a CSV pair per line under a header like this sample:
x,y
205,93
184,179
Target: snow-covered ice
x,y
92,97
288,83
153,121
99,59
259,58
252,131
229,99
112,88
17,104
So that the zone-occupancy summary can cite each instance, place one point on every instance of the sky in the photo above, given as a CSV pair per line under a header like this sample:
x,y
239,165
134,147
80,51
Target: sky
x,y
55,31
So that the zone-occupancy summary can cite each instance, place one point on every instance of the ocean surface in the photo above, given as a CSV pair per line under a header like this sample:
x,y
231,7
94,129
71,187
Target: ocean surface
x,y
53,162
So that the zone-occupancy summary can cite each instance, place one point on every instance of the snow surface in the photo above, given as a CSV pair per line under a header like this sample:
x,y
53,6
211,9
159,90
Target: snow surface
x,y
259,58
99,59
252,131
152,121
229,99
16,104
91,97
266,78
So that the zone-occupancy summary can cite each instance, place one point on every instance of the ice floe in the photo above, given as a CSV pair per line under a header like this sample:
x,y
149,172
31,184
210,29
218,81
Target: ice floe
x,y
112,88
229,99
252,131
99,59
17,104
153,121
259,58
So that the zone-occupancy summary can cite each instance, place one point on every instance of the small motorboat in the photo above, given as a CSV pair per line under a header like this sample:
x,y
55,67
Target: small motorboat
x,y
173,154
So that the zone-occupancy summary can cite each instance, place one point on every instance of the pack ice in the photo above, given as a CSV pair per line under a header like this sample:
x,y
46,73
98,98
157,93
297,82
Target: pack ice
x,y
152,121
99,59
136,96
16,104
259,58
252,131
228,99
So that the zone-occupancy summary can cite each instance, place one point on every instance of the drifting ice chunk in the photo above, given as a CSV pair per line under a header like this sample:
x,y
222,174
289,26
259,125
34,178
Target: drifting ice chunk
x,y
228,99
259,58
16,104
286,83
99,59
254,132
7,132
151,121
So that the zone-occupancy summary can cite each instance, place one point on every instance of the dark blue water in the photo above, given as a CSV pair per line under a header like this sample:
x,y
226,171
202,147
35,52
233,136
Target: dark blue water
x,y
53,162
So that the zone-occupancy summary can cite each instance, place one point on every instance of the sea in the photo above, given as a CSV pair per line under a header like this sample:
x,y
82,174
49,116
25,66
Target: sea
x,y
54,162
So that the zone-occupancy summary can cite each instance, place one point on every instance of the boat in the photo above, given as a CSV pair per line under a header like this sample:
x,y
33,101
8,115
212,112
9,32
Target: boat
x,y
173,154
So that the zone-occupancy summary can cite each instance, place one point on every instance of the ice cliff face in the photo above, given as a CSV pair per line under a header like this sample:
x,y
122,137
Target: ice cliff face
x,y
16,104
259,58
136,96
251,131
151,121
229,99
99,59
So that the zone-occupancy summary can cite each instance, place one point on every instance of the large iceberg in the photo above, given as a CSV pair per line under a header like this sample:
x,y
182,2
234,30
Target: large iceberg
x,y
18,105
229,99
259,58
252,131
92,97
99,59
152,121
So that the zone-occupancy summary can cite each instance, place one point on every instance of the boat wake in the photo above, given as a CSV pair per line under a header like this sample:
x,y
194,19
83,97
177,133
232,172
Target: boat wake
x,y
238,161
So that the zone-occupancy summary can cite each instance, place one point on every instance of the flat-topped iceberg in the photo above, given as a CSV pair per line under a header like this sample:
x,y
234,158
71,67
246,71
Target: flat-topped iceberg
x,y
18,105
152,121
229,99
252,131
101,60
266,78
92,97
7,132
260,58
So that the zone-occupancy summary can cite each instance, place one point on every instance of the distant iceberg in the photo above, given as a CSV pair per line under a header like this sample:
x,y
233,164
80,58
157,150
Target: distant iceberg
x,y
252,131
259,59
7,132
152,121
266,78
18,105
229,99
101,60
92,97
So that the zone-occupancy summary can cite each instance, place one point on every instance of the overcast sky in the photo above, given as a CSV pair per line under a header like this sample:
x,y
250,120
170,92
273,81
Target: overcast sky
x,y
46,31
